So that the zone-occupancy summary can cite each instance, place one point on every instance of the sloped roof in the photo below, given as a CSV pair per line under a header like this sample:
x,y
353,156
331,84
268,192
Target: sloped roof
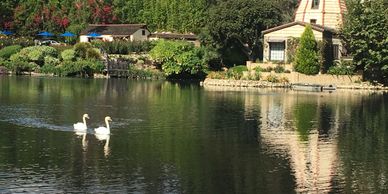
x,y
174,36
113,29
314,27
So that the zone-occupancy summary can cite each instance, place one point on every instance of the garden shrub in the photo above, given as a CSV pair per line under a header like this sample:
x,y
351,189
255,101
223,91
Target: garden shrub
x,y
236,72
80,67
279,69
217,75
93,53
7,51
81,49
68,55
307,59
37,54
10,40
272,78
123,46
179,57
342,68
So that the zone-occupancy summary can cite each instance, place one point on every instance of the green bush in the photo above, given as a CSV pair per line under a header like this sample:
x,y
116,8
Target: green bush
x,y
93,53
136,73
7,51
81,49
279,69
342,68
80,67
179,57
124,47
68,55
217,75
307,58
36,54
10,40
6,63
236,72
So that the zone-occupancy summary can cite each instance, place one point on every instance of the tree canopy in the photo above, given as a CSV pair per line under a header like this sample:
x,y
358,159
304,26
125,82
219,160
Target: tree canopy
x,y
238,24
366,37
307,60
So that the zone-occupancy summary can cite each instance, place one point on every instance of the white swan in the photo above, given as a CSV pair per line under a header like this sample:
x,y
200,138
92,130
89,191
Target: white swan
x,y
81,126
104,130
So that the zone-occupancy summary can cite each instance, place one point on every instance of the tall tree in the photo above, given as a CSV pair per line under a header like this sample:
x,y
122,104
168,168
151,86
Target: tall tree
x,y
307,58
365,34
238,23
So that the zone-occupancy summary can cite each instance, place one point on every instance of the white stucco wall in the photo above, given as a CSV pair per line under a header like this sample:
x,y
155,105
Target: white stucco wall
x,y
138,35
284,34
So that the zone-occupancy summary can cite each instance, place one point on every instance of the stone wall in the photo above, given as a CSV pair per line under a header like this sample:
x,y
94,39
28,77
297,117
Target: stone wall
x,y
323,79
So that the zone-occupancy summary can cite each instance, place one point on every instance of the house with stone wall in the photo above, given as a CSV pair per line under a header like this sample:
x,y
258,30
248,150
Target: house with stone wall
x,y
325,17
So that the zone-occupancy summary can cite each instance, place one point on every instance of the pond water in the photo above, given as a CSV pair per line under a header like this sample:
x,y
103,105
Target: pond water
x,y
179,137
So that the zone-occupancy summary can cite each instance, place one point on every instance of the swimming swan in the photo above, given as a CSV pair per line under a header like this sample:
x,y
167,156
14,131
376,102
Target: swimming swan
x,y
104,130
81,126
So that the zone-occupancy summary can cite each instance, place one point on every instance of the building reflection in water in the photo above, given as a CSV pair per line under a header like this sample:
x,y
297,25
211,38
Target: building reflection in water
x,y
303,127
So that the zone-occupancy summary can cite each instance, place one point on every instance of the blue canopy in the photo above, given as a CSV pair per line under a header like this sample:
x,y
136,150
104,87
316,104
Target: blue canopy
x,y
94,34
6,32
45,33
67,34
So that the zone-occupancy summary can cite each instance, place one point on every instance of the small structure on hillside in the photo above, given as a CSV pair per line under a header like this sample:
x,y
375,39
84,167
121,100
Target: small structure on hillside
x,y
325,17
110,32
175,36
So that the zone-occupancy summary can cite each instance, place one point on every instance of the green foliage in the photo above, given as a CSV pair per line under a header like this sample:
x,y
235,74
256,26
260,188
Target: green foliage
x,y
239,24
236,72
6,52
10,40
37,54
342,68
68,55
124,47
292,46
80,67
93,53
307,60
217,75
179,57
279,69
136,73
81,49
365,35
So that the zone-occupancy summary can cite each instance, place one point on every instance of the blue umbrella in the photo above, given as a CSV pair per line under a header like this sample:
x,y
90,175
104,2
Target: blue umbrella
x,y
94,34
6,32
45,33
67,34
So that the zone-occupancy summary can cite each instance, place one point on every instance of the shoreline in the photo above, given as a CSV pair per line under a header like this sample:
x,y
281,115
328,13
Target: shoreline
x,y
266,84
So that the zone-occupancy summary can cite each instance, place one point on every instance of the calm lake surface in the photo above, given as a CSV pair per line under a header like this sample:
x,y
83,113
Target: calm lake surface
x,y
171,137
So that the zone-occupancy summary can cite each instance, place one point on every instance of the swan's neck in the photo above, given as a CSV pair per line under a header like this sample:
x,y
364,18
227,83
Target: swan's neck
x,y
84,119
107,125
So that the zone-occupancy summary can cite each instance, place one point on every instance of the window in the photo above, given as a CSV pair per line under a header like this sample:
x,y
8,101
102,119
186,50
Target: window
x,y
143,32
335,51
313,21
315,4
276,51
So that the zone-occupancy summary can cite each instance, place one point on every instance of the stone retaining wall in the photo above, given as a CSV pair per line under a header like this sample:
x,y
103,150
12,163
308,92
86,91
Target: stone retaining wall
x,y
266,84
243,83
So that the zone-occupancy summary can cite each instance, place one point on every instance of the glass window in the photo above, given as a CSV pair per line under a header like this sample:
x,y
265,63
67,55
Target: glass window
x,y
315,4
276,51
143,32
336,52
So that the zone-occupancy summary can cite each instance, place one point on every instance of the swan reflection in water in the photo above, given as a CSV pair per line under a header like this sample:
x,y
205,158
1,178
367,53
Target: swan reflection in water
x,y
103,134
104,137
